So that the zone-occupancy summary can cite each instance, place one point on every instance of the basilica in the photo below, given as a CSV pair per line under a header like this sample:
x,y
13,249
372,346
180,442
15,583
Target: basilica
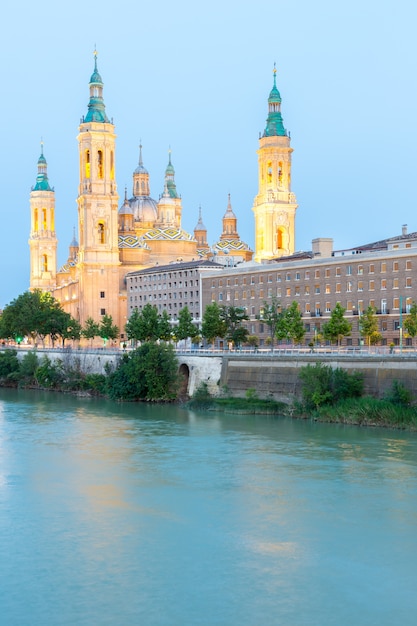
x,y
116,238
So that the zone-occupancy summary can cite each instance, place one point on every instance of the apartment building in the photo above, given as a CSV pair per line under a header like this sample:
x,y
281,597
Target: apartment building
x,y
382,274
169,287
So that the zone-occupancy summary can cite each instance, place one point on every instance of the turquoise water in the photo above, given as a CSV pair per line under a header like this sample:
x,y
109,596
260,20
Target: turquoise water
x,y
131,514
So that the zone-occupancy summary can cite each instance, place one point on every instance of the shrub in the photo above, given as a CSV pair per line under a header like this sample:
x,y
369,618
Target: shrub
x,y
399,394
9,363
323,385
149,373
48,374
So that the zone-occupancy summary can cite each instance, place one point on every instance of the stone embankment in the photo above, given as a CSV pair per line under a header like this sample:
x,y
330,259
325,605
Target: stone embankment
x,y
270,375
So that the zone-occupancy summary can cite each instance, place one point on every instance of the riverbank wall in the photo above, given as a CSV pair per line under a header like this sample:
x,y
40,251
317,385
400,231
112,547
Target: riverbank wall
x,y
269,375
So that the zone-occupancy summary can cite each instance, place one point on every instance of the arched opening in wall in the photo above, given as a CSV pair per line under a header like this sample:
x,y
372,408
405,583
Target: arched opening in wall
x,y
44,220
280,237
184,373
87,163
101,237
100,168
111,166
44,262
35,220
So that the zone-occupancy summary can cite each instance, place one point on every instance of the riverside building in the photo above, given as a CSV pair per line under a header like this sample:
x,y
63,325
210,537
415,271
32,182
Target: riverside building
x,y
382,274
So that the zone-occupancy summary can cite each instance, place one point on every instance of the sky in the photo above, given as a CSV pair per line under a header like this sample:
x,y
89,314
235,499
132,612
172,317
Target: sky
x,y
195,78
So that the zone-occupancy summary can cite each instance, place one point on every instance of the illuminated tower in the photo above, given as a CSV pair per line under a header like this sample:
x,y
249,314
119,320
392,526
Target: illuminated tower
x,y
275,205
98,254
42,240
169,205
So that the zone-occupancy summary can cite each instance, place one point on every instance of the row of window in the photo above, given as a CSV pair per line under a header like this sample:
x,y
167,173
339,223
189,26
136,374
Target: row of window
x,y
163,286
309,274
146,278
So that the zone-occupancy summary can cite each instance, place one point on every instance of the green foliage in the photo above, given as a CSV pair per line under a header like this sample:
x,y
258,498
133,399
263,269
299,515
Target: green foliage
x,y
49,375
251,394
108,330
28,366
212,325
186,328
368,326
271,315
148,373
233,318
201,397
91,329
253,341
290,325
148,325
368,411
322,385
337,327
410,322
9,363
399,394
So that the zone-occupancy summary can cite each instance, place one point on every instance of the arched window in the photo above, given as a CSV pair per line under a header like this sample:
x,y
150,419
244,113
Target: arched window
x,y
279,238
44,221
87,164
137,189
101,237
44,262
280,173
35,221
269,172
111,166
100,163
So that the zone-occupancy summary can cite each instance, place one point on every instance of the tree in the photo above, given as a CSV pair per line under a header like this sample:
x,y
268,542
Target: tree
x,y
271,315
338,326
148,373
91,329
186,328
108,330
164,326
72,331
145,325
410,322
212,324
368,326
33,313
290,325
233,318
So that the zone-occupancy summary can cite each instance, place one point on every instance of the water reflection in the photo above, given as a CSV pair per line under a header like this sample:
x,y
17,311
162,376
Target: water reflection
x,y
127,514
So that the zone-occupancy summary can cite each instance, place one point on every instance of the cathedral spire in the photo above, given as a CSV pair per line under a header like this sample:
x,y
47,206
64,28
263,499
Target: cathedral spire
x,y
96,109
42,183
274,122
170,179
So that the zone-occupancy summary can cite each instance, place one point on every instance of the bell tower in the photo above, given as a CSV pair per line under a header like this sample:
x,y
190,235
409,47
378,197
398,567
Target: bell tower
x,y
275,205
98,254
42,239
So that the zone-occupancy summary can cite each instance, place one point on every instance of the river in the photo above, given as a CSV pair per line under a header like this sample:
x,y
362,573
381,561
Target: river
x,y
156,515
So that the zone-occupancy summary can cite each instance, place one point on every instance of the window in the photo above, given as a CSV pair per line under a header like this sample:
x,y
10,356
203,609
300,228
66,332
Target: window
x,y
288,292
395,283
395,266
307,308
408,282
278,292
261,293
102,294
317,274
100,228
270,278
297,275
44,262
396,303
100,168
102,311
328,308
360,270
384,325
278,278
338,271
372,268
327,288
338,287
348,286
220,297
383,283
288,276
360,285
327,272
252,280
371,285
348,270
297,290
316,288
307,275
87,163
243,295
408,265
306,290
252,293
383,267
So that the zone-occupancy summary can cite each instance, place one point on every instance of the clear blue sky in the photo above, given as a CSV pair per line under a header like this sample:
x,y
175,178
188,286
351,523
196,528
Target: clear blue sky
x,y
196,77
